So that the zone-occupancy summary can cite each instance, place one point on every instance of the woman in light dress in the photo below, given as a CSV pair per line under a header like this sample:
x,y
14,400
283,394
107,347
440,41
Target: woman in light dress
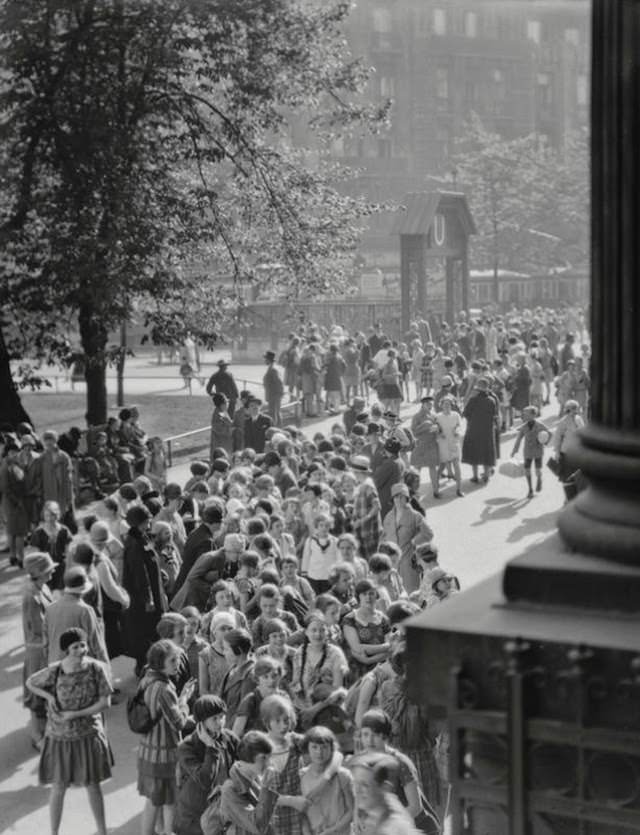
x,y
450,425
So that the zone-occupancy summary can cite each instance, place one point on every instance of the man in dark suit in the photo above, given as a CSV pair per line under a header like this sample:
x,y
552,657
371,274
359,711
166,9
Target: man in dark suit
x,y
201,540
222,382
374,448
255,426
280,472
273,388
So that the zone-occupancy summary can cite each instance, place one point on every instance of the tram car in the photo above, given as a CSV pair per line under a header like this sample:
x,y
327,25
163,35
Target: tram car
x,y
570,286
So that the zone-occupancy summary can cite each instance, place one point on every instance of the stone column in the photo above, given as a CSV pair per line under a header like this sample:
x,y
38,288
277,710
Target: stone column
x,y
604,520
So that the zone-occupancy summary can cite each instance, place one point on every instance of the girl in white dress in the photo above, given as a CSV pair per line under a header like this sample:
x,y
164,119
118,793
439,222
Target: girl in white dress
x,y
450,424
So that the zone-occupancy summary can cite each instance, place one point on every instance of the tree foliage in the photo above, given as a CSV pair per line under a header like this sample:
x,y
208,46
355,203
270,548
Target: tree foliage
x,y
530,201
138,137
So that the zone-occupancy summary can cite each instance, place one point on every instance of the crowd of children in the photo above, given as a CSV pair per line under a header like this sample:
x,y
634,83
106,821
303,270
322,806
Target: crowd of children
x,y
264,604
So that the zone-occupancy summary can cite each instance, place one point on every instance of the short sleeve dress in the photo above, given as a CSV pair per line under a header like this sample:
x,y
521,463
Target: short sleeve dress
x,y
373,632
76,751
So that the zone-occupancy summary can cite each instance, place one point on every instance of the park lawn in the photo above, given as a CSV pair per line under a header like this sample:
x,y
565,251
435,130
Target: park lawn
x,y
160,414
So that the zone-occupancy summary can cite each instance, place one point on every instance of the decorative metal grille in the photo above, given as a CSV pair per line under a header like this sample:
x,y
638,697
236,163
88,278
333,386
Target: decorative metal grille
x,y
518,773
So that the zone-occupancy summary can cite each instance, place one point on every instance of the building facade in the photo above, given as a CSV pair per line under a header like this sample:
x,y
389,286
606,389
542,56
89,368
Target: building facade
x,y
522,67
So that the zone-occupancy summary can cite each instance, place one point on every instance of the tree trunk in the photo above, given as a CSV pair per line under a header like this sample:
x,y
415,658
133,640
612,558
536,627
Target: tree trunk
x,y
12,411
94,337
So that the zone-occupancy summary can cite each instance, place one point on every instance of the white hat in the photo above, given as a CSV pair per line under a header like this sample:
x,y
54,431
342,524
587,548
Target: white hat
x,y
360,463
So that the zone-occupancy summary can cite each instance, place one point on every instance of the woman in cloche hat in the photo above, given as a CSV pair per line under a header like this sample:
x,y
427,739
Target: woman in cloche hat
x,y
36,597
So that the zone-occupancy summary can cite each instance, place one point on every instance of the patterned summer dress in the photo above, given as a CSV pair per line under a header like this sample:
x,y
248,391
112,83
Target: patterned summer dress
x,y
76,751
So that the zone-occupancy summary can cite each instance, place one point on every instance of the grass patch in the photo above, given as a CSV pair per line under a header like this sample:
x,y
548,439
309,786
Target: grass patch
x,y
160,414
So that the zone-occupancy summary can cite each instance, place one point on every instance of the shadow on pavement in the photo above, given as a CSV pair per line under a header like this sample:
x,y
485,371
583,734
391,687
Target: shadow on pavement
x,y
131,826
15,805
533,525
493,512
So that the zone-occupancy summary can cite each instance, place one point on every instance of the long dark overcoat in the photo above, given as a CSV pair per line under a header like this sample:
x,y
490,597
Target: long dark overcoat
x,y
479,445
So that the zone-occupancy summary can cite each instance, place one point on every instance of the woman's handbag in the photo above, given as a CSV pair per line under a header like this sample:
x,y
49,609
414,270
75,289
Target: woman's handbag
x,y
553,465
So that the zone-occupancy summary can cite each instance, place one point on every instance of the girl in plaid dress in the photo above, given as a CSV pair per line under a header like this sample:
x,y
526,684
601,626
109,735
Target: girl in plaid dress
x,y
367,521
279,717
157,752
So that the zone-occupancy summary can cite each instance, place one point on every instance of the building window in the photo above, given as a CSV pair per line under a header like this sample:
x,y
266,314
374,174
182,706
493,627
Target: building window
x,y
382,21
387,86
471,24
499,85
442,83
545,90
582,91
534,30
440,21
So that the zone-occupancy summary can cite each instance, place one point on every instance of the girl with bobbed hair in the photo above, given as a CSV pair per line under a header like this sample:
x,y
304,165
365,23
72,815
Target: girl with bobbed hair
x,y
348,550
157,752
317,664
53,538
267,673
75,750
375,732
333,799
276,632
365,630
221,600
279,718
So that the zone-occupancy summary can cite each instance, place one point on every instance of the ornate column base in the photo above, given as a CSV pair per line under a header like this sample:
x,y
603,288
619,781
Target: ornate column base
x,y
604,519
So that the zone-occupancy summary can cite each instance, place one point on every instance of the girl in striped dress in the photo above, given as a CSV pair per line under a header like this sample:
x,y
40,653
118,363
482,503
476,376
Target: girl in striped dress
x,y
157,752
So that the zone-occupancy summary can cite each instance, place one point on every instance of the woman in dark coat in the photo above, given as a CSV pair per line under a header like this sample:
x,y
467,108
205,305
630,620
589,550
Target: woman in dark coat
x,y
221,426
142,579
12,490
521,386
479,445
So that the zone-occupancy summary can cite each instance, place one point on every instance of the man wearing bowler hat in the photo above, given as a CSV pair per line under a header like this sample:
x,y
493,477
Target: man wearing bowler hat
x,y
273,388
222,382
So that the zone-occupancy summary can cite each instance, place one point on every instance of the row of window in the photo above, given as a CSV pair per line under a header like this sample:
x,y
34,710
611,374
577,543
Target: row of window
x,y
494,88
441,21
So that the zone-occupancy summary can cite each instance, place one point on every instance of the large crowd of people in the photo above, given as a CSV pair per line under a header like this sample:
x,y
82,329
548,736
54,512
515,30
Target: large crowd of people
x,y
263,602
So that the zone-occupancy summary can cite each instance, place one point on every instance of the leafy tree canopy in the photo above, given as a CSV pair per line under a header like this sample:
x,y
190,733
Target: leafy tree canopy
x,y
137,137
530,201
